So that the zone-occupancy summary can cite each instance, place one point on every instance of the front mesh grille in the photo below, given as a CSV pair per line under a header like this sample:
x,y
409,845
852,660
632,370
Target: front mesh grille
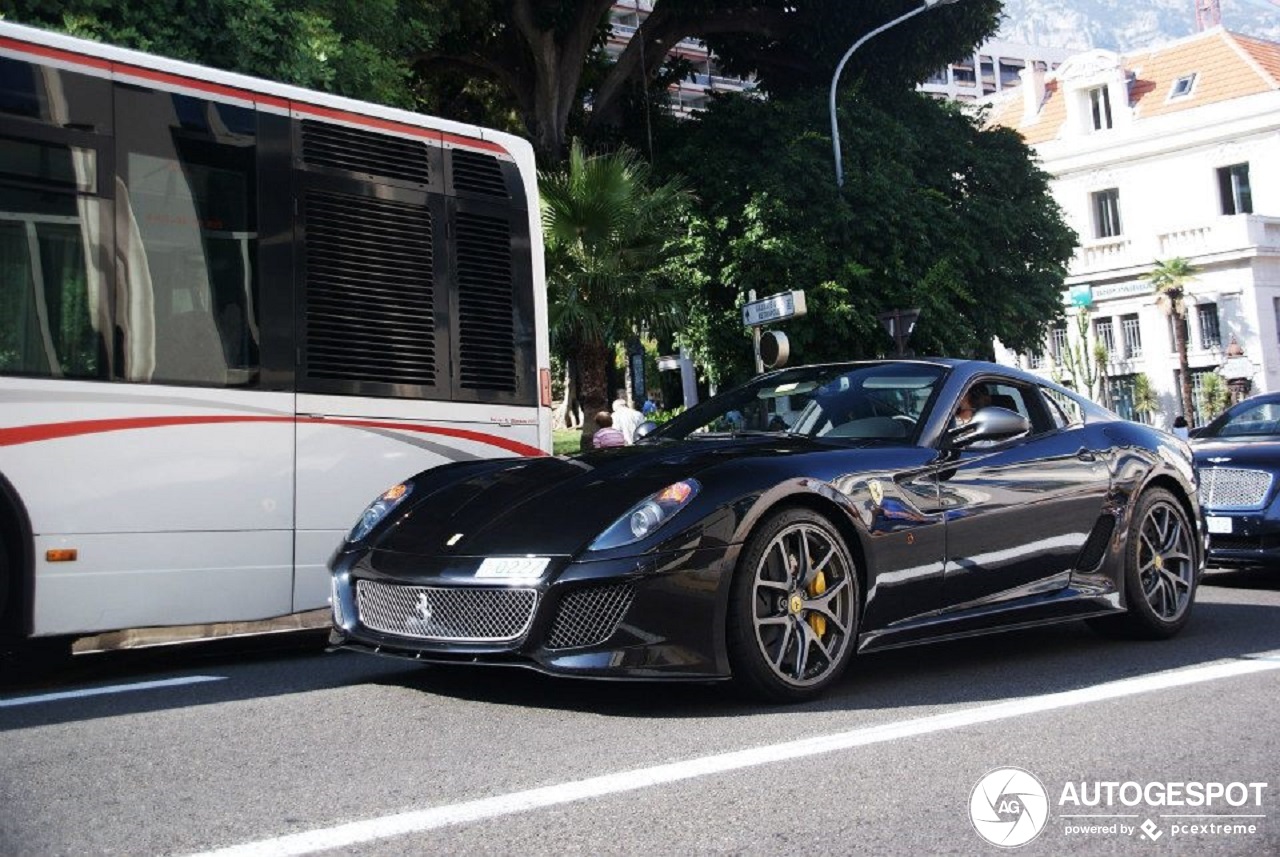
x,y
461,614
589,616
1232,488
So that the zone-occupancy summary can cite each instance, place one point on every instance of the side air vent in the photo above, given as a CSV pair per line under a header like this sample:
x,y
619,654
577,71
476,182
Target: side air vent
x,y
589,616
1095,547
369,290
360,151
478,173
486,326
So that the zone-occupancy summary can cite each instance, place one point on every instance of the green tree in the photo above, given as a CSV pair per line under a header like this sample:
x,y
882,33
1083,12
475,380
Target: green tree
x,y
1170,279
935,213
1086,364
545,57
608,229
1215,396
1145,400
358,48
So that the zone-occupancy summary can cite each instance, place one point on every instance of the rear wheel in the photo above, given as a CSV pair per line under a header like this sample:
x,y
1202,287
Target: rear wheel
x,y
1160,570
6,582
793,611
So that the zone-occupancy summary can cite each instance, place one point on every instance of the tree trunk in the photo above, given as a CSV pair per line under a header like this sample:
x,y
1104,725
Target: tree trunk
x,y
567,414
1180,342
558,57
592,359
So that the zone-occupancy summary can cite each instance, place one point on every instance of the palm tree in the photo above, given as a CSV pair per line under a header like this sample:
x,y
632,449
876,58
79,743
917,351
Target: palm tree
x,y
1145,400
1170,280
605,229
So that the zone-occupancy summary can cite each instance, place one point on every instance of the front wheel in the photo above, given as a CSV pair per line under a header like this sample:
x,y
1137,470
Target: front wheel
x,y
793,608
1159,570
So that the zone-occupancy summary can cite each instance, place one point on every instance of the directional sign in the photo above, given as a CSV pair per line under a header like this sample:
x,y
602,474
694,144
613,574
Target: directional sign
x,y
773,308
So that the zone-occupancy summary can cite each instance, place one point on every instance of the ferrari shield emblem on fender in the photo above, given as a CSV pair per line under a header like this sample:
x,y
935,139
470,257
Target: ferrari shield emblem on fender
x,y
877,492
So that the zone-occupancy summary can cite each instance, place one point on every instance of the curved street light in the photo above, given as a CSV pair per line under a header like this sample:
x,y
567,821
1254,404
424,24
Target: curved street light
x,y
835,133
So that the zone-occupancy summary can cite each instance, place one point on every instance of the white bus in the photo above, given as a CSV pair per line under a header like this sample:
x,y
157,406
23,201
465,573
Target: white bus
x,y
231,313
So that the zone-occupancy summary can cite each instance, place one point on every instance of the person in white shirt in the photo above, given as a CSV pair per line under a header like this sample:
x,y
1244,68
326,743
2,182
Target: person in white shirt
x,y
626,419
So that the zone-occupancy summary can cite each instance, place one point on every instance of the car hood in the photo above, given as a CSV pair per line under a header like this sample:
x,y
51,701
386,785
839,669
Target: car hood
x,y
555,506
1259,454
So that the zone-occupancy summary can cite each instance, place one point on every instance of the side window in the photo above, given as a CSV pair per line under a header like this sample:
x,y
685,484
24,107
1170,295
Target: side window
x,y
1012,397
186,230
55,219
1063,410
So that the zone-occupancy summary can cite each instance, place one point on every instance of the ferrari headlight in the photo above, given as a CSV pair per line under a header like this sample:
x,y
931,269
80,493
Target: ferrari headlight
x,y
648,515
376,511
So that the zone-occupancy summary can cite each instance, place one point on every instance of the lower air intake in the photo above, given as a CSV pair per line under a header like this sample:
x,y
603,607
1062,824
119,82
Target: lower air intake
x,y
590,615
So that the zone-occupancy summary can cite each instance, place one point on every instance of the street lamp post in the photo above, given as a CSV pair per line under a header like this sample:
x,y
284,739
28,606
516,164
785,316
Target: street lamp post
x,y
835,132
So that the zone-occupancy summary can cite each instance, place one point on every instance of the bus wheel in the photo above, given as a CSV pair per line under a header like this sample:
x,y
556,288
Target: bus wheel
x,y
6,584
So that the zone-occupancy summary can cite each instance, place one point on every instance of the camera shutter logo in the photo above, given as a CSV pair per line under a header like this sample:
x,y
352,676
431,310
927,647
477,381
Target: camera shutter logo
x,y
1009,807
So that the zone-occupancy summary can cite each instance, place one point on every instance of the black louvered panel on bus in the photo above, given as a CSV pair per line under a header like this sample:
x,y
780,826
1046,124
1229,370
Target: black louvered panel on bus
x,y
486,326
369,290
354,150
477,173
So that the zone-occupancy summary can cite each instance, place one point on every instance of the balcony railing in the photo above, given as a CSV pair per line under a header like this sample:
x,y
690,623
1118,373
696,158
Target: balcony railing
x,y
1226,235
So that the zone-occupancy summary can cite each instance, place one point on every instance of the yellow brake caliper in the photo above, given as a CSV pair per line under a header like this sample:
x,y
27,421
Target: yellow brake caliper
x,y
817,621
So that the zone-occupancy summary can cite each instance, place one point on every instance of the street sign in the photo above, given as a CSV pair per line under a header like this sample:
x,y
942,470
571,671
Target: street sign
x,y
775,349
773,308
899,323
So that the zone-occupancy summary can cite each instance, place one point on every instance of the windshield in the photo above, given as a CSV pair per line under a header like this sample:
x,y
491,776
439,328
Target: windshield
x,y
884,401
1257,420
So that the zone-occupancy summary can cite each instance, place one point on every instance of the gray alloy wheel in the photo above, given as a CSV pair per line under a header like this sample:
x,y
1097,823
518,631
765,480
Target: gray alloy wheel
x,y
1160,574
1166,564
793,620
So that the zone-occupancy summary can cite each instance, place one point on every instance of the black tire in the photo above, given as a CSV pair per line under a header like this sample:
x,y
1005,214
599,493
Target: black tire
x,y
1160,575
6,582
792,624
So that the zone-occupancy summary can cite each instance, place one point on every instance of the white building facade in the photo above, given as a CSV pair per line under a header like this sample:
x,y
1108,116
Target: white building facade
x,y
993,67
1170,153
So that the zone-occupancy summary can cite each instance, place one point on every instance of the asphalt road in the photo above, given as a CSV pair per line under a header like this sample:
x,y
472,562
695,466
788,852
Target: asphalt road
x,y
275,747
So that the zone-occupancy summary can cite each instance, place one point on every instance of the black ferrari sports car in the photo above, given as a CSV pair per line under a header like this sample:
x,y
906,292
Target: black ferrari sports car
x,y
775,530
1238,458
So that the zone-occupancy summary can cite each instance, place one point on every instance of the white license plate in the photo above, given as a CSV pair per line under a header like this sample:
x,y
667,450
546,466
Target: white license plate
x,y
1219,525
513,567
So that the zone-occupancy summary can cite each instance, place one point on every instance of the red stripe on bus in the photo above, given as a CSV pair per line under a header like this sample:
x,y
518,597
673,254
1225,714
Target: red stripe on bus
x,y
53,53
464,434
201,85
244,94
54,431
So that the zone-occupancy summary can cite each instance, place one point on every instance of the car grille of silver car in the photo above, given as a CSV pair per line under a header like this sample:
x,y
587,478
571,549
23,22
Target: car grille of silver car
x,y
590,615
451,614
1233,488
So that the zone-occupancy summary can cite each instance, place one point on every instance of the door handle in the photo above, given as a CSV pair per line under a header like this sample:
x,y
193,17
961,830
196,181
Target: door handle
x,y
1086,454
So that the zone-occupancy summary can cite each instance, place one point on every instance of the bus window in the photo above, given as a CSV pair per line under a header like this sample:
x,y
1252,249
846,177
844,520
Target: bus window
x,y
186,223
52,296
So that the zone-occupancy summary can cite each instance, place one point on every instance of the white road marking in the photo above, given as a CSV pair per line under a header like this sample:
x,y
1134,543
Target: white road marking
x,y
101,691
419,821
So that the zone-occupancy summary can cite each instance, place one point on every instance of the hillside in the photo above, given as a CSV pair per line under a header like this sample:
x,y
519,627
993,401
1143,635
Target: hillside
x,y
1125,25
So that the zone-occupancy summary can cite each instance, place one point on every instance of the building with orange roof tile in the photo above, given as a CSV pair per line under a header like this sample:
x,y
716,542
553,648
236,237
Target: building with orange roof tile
x,y
1164,153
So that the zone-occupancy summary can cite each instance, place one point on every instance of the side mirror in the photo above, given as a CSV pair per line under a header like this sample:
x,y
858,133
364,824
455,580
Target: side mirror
x,y
989,424
643,430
